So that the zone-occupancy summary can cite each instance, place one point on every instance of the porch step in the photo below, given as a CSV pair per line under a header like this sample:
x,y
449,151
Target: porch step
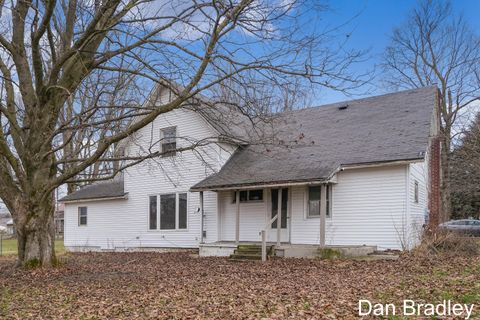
x,y
250,252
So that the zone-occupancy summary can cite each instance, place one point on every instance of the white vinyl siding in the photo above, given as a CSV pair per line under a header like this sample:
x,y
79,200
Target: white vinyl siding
x,y
368,207
116,224
252,217
418,210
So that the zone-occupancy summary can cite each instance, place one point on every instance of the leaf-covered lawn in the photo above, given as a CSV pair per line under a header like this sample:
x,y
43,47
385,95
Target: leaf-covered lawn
x,y
9,247
183,286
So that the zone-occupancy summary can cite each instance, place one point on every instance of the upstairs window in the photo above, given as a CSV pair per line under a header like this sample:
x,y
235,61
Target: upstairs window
x,y
249,195
82,216
169,141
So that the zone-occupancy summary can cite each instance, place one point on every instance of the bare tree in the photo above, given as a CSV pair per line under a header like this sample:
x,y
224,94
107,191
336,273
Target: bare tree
x,y
435,47
75,73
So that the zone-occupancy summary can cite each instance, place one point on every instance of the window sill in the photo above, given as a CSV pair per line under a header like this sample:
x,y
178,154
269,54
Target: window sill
x,y
167,230
315,217
249,202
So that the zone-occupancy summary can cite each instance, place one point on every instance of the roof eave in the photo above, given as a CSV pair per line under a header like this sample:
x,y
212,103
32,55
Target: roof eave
x,y
272,184
381,163
329,179
122,197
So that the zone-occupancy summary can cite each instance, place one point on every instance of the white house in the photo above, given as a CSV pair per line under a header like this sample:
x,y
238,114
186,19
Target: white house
x,y
362,172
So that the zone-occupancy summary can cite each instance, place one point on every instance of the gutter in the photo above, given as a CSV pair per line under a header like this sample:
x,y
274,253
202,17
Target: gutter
x,y
124,197
264,185
380,164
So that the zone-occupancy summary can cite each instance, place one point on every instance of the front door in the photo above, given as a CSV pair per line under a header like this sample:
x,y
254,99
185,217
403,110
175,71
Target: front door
x,y
284,219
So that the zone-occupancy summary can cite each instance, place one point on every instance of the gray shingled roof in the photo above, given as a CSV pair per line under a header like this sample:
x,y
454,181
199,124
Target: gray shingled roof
x,y
98,190
312,143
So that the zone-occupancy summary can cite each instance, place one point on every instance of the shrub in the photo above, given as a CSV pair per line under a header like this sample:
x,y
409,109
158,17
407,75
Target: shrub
x,y
448,242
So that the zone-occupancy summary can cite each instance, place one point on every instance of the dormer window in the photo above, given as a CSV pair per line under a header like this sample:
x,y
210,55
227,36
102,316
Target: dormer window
x,y
169,141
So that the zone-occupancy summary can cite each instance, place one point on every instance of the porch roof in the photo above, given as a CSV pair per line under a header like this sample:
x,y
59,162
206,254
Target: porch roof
x,y
99,190
312,144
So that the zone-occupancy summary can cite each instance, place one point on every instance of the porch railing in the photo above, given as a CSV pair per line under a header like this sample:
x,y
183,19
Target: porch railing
x,y
263,233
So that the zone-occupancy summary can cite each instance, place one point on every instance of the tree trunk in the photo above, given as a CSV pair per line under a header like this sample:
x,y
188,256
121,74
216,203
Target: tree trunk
x,y
36,235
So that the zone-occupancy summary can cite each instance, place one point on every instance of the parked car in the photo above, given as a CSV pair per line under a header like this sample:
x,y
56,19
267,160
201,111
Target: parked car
x,y
465,226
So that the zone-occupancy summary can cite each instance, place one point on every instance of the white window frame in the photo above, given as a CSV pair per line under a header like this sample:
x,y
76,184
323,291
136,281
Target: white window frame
x,y
307,201
177,212
157,213
163,142
330,200
307,198
80,215
234,197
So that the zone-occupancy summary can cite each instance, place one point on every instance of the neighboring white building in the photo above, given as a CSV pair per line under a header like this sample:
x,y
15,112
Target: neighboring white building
x,y
364,168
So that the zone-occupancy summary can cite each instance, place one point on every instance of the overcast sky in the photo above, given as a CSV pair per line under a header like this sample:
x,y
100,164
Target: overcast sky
x,y
372,25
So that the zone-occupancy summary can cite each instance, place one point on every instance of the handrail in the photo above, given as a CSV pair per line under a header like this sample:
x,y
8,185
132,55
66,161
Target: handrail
x,y
263,233
270,223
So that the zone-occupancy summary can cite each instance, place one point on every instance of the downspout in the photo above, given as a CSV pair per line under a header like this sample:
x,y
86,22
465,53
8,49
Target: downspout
x,y
406,228
201,217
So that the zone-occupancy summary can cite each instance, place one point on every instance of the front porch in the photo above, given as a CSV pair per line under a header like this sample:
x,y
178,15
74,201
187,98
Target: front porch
x,y
276,215
285,250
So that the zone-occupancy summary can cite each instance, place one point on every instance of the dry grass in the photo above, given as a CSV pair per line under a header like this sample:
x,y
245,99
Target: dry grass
x,y
449,243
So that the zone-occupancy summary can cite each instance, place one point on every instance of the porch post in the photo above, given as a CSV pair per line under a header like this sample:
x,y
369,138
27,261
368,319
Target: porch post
x,y
279,216
323,214
201,216
237,217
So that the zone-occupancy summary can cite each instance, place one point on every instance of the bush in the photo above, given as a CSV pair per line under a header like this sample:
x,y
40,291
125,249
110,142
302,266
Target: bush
x,y
450,243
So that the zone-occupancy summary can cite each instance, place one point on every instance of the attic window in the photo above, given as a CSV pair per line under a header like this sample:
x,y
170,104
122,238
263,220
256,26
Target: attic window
x,y
343,107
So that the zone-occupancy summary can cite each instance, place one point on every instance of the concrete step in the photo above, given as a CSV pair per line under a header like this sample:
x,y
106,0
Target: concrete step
x,y
375,257
249,246
245,257
250,252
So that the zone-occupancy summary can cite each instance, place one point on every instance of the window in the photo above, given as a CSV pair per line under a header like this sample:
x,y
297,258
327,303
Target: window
x,y
182,211
328,198
284,208
255,195
82,216
314,200
416,192
169,141
153,212
249,195
167,211
172,213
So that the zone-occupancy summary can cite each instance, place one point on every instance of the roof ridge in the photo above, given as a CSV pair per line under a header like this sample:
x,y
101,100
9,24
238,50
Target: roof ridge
x,y
373,97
